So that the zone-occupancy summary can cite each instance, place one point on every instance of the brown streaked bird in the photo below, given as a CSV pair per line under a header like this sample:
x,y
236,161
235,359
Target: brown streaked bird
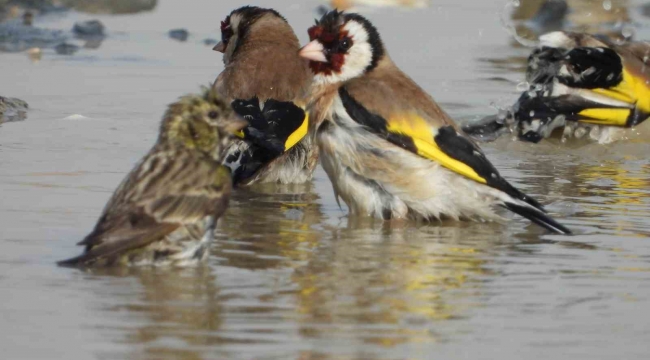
x,y
581,86
267,83
166,209
389,150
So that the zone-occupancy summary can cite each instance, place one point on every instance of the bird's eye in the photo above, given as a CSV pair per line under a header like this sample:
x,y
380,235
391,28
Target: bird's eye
x,y
213,115
345,44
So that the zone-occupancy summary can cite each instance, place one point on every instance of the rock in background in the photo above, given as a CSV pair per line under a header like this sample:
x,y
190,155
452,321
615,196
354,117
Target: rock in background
x,y
12,109
111,6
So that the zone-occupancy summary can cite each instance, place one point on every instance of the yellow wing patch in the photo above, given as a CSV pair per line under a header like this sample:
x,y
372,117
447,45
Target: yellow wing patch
x,y
292,139
297,135
632,90
615,117
423,136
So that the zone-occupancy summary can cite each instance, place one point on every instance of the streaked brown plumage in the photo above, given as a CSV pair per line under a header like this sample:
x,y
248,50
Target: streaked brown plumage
x,y
262,63
165,210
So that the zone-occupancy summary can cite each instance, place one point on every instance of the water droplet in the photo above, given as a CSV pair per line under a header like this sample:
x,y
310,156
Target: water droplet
x,y
627,32
607,5
523,86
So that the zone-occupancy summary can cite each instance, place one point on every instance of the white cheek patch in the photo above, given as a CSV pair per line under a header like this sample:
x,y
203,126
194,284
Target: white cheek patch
x,y
234,22
230,49
232,43
356,61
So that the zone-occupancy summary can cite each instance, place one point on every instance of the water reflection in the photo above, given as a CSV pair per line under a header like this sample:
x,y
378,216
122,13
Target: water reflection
x,y
276,271
291,277
269,225
620,189
617,187
174,313
389,285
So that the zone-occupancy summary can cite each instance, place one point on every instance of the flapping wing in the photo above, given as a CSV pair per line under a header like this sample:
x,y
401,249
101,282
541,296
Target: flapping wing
x,y
604,85
442,144
274,125
167,190
275,128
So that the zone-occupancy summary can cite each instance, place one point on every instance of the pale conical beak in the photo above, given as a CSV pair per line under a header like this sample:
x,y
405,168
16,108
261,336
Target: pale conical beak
x,y
220,47
232,125
314,51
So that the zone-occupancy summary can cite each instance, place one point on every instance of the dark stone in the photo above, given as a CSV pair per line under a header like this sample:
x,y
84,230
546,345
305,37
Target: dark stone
x,y
15,37
179,34
111,6
12,109
66,49
89,28
210,42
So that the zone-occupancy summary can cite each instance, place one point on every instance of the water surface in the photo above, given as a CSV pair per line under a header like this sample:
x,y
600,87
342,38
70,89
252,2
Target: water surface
x,y
291,276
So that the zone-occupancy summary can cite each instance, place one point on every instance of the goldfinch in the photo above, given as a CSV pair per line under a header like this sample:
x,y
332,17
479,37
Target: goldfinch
x,y
267,83
584,85
165,210
389,150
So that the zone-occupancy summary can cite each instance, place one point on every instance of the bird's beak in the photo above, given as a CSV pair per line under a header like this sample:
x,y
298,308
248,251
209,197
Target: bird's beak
x,y
314,51
220,47
232,125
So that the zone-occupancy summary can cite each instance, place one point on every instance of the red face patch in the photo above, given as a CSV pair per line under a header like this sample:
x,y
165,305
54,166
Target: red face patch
x,y
315,32
226,31
336,45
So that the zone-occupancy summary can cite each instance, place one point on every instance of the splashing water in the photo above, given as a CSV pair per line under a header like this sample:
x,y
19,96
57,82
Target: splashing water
x,y
510,27
607,5
523,86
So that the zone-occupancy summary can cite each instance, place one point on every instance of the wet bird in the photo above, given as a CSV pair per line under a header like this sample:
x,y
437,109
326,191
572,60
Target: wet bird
x,y
581,85
165,210
267,83
389,150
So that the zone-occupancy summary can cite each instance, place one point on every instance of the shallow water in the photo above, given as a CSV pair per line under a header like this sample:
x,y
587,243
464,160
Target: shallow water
x,y
291,276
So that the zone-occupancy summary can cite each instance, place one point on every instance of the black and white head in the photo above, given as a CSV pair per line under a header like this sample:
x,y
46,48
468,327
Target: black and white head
x,y
342,47
238,27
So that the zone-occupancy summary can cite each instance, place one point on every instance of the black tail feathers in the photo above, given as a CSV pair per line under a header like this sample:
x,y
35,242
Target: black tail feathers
x,y
538,217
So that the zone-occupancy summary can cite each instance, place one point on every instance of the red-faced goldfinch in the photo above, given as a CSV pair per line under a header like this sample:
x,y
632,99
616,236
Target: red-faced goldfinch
x,y
387,147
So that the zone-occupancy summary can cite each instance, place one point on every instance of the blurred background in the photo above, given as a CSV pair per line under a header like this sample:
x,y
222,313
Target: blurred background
x,y
83,86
